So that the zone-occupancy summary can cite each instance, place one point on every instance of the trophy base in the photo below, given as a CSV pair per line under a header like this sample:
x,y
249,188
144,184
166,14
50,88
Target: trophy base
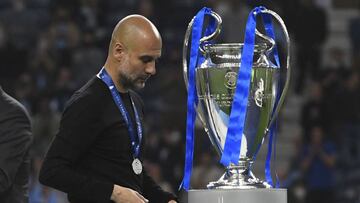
x,y
238,177
238,196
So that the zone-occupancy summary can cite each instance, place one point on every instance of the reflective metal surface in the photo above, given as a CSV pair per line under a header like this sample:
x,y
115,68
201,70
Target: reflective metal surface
x,y
216,80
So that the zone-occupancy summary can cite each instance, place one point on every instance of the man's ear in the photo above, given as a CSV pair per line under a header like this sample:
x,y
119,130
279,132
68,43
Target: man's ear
x,y
118,51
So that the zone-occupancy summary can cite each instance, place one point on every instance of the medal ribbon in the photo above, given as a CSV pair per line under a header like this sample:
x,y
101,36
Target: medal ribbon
x,y
135,144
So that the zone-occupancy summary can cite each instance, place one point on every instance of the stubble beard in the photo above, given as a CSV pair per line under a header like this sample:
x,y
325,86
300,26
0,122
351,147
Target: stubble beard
x,y
130,83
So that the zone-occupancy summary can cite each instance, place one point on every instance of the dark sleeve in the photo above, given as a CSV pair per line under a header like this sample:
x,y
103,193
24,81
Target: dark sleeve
x,y
79,127
15,140
153,191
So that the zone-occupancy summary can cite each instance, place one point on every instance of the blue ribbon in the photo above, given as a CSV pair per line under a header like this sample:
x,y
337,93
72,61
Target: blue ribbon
x,y
272,134
270,32
268,177
239,106
195,59
135,144
238,112
267,18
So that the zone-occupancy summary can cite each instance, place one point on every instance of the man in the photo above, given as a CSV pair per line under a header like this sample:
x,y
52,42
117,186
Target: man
x,y
309,42
15,141
97,153
318,163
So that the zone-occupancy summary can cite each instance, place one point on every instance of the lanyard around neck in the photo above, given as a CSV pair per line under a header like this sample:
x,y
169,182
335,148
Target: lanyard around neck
x,y
135,144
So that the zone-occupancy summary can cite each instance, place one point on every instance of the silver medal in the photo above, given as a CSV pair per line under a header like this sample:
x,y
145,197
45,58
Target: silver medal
x,y
137,166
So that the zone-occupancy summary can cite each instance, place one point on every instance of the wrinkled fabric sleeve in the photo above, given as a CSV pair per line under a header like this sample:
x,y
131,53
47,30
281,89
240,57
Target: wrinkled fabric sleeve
x,y
79,128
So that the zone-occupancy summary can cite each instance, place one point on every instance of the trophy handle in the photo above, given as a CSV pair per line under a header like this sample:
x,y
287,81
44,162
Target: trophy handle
x,y
205,38
185,63
270,40
287,79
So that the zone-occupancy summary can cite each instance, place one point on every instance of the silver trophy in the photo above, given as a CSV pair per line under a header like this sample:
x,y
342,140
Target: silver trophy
x,y
216,80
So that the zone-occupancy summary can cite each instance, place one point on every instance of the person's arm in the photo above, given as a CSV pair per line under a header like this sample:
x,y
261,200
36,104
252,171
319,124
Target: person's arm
x,y
15,141
329,159
79,128
153,191
328,155
123,194
308,154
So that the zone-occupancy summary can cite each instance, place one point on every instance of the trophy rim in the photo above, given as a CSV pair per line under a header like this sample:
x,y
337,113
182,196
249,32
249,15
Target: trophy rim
x,y
260,47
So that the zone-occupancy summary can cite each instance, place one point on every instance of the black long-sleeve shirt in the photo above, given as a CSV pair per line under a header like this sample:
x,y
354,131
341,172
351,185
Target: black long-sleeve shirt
x,y
92,150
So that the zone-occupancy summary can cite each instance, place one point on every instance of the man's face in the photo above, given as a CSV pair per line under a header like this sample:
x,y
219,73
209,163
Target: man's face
x,y
138,63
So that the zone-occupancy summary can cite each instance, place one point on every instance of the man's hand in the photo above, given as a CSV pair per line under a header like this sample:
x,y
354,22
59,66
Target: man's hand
x,y
172,201
126,195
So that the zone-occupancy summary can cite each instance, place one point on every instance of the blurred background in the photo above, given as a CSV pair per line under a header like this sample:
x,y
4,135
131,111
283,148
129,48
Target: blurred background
x,y
50,48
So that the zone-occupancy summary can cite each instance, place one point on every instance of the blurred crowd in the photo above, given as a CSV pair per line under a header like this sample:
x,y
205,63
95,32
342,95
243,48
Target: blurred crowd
x,y
50,48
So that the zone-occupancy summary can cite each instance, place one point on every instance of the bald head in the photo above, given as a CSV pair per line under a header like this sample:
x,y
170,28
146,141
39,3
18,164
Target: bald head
x,y
134,48
132,30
